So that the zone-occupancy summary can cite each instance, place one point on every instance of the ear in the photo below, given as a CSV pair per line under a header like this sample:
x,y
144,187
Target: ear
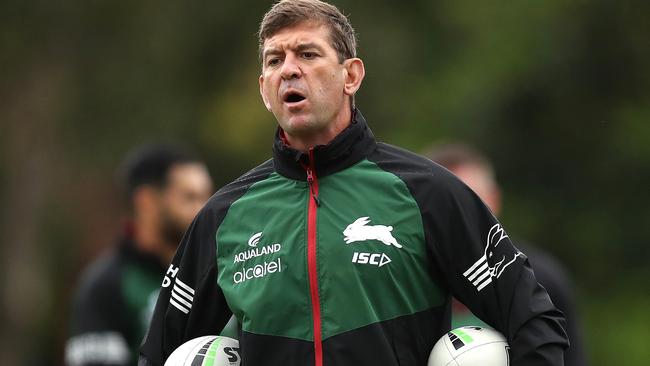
x,y
496,201
267,104
354,74
361,221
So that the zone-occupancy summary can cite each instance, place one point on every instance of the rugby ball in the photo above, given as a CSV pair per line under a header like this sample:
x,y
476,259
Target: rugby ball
x,y
470,346
207,350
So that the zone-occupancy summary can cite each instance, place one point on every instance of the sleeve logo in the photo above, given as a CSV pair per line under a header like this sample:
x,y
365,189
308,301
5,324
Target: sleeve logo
x,y
480,274
182,294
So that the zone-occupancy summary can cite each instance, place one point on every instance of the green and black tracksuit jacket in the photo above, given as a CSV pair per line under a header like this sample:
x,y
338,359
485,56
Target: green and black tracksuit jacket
x,y
349,255
112,307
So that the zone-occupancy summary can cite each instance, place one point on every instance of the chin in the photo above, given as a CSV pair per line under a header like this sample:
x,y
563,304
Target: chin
x,y
295,125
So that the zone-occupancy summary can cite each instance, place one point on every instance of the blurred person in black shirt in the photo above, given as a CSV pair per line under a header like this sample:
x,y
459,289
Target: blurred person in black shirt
x,y
477,172
114,301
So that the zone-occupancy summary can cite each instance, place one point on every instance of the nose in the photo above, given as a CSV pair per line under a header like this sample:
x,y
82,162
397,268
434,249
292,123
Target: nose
x,y
290,68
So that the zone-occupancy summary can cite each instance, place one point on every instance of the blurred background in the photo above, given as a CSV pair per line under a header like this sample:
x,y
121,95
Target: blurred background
x,y
557,93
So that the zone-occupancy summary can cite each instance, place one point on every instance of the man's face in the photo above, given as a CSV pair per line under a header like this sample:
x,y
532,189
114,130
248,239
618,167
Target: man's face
x,y
302,81
188,188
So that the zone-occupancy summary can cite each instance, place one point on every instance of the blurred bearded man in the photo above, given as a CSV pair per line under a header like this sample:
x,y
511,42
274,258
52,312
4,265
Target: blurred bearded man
x,y
114,301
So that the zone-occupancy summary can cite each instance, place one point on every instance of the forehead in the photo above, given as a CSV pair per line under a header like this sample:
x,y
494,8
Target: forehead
x,y
297,34
192,173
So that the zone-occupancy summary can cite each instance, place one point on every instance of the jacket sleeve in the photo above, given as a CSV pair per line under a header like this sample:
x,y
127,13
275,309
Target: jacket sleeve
x,y
190,303
485,271
98,332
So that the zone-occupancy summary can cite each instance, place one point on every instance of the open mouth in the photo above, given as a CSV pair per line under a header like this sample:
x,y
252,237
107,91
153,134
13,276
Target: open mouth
x,y
294,98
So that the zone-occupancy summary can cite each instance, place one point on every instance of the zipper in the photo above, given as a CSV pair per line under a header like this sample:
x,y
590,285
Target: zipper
x,y
314,203
313,186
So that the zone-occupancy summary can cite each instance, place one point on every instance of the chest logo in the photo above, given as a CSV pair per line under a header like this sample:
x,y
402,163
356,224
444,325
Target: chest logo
x,y
359,230
256,251
374,259
255,239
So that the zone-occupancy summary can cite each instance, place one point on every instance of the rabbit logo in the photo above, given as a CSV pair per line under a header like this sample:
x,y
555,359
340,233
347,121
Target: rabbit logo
x,y
359,230
481,273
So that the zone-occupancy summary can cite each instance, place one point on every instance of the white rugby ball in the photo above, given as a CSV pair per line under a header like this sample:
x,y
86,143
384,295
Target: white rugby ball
x,y
206,351
471,346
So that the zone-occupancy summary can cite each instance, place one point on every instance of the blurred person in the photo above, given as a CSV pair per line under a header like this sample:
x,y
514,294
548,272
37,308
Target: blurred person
x,y
475,170
341,250
114,300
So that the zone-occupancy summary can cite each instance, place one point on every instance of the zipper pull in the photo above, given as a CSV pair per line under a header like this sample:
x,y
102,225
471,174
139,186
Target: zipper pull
x,y
310,181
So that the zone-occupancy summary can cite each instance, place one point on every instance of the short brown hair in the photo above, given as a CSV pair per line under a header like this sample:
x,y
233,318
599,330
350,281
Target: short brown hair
x,y
452,155
286,13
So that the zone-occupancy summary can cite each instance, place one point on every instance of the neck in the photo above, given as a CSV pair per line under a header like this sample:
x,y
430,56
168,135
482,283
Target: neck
x,y
305,142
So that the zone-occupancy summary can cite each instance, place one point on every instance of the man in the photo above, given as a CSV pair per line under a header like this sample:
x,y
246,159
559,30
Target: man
x,y
477,172
342,250
113,304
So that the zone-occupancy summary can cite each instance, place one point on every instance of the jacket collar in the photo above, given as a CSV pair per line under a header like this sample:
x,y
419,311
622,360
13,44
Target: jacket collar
x,y
348,148
128,248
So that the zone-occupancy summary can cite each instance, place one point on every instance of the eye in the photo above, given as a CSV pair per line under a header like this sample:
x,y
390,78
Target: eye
x,y
309,55
273,61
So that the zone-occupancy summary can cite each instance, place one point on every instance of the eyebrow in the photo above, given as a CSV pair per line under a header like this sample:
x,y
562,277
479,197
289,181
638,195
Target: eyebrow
x,y
271,51
308,45
299,48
